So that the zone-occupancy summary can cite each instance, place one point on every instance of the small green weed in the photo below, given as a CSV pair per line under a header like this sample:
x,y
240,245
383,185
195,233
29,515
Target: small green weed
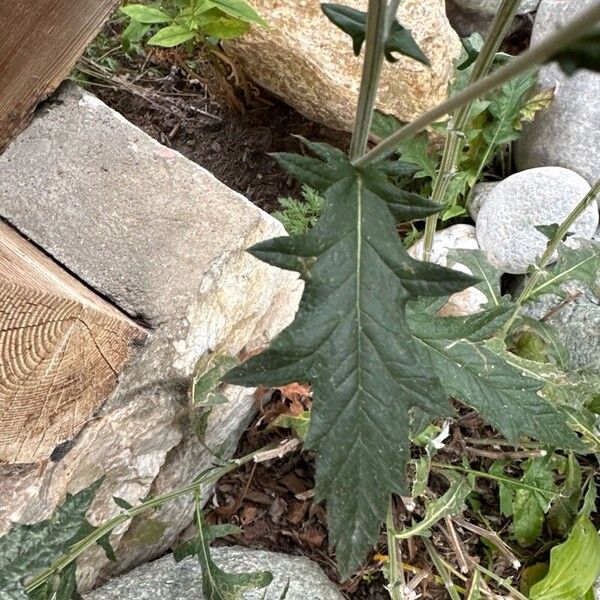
x,y
298,216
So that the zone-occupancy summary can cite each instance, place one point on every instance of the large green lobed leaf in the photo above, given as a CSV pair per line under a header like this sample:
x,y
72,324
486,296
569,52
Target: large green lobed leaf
x,y
27,549
350,338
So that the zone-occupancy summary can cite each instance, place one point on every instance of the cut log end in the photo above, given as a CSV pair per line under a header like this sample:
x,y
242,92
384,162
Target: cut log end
x,y
61,349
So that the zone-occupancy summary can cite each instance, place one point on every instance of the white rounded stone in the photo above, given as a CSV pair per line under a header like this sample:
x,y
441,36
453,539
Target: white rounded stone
x,y
506,224
566,134
470,300
480,195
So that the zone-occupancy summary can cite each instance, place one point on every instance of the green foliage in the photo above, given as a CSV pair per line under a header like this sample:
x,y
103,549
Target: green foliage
x,y
574,565
204,389
530,507
298,216
216,583
354,23
538,341
298,424
494,123
381,360
27,549
580,263
356,274
197,20
450,503
564,508
477,369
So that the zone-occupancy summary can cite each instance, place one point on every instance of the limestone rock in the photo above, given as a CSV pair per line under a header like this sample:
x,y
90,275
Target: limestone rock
x,y
575,318
490,7
577,325
480,195
566,134
471,16
506,222
305,60
164,578
161,238
470,300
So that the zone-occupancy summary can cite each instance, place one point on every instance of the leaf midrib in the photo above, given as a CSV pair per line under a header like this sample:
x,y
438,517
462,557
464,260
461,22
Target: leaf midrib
x,y
562,274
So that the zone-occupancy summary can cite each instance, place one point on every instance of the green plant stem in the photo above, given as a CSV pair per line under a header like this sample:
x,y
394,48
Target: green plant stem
x,y
508,480
450,586
553,245
105,528
455,139
529,59
374,44
396,575
391,14
500,581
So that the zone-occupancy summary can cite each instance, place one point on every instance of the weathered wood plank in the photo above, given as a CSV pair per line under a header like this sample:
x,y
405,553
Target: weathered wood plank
x,y
61,350
40,41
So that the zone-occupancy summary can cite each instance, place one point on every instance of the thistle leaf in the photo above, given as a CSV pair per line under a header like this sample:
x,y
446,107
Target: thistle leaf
x,y
354,23
505,107
535,104
580,263
450,503
488,275
350,339
414,150
332,165
484,375
216,583
28,549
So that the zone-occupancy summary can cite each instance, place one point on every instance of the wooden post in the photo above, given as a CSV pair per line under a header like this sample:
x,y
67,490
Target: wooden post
x,y
40,41
61,350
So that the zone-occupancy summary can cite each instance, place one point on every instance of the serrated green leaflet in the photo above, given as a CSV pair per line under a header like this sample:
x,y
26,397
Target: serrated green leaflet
x,y
535,104
332,166
414,150
204,394
216,583
505,107
354,23
574,565
366,370
569,391
422,467
27,549
450,503
488,275
299,424
549,346
476,371
580,263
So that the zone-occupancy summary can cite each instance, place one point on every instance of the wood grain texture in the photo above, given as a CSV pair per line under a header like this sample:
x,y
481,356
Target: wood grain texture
x,y
40,41
61,351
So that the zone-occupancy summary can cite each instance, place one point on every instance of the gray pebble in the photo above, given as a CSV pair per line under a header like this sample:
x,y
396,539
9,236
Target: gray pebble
x,y
507,220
